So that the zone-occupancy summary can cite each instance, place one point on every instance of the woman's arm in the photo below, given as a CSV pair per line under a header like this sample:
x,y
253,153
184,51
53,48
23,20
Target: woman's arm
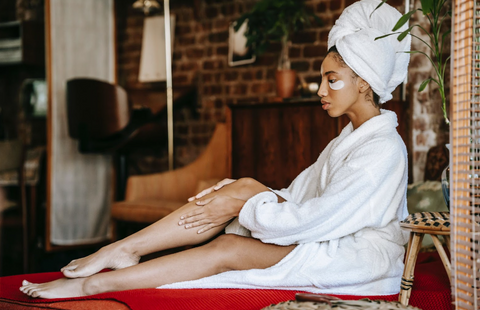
x,y
211,189
366,192
222,205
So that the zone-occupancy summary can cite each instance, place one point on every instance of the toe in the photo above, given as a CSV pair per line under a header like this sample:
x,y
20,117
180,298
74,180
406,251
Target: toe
x,y
71,265
69,273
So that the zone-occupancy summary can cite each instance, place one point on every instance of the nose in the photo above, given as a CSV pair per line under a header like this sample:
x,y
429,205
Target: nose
x,y
322,90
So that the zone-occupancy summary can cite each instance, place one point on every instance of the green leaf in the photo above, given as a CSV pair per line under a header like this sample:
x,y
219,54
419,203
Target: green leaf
x,y
403,20
446,33
424,84
378,7
413,52
404,34
427,6
386,35
318,20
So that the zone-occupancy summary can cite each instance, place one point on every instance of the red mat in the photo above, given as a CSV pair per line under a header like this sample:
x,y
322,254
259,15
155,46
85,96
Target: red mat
x,y
431,291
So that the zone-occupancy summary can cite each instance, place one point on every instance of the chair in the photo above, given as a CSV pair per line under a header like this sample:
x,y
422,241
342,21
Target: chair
x,y
20,174
14,213
151,197
101,118
419,224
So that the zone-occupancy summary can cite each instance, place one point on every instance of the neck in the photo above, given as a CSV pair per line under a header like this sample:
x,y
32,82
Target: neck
x,y
366,111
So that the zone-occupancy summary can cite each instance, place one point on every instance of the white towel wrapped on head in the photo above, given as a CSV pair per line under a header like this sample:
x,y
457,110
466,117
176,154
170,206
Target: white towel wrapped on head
x,y
382,63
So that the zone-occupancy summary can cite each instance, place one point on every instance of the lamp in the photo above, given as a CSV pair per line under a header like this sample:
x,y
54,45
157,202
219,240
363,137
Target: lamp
x,y
148,6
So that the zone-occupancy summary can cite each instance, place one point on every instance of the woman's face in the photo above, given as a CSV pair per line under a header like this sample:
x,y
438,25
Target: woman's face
x,y
340,88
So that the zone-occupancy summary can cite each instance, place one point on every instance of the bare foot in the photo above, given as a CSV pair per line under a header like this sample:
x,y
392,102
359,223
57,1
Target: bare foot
x,y
110,256
61,288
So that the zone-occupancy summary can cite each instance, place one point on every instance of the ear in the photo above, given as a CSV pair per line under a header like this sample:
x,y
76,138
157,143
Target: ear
x,y
363,86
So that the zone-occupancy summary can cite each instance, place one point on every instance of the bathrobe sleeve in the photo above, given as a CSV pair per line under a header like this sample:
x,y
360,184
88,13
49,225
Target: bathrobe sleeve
x,y
357,195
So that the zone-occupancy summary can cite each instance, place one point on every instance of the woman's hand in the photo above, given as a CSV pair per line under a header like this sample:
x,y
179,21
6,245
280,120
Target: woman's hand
x,y
212,212
211,189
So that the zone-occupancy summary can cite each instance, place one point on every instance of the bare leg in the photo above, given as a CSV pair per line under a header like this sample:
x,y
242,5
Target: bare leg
x,y
161,235
227,252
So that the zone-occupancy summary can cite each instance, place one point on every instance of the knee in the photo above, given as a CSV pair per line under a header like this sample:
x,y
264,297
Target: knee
x,y
225,248
250,187
248,182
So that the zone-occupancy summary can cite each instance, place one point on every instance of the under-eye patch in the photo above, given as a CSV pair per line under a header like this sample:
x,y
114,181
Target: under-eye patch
x,y
336,85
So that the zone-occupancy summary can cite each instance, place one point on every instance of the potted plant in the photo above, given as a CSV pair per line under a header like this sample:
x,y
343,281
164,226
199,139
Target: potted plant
x,y
275,21
436,12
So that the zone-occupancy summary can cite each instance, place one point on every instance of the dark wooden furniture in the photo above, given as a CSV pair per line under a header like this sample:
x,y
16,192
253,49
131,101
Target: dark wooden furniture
x,y
22,42
274,141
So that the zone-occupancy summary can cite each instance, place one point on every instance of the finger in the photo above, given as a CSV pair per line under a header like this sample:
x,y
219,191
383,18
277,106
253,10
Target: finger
x,y
201,194
204,192
204,202
194,219
219,185
210,226
198,223
184,218
222,183
206,228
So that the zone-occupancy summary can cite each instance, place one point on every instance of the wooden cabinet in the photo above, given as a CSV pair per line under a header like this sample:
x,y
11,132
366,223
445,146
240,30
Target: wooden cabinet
x,y
274,142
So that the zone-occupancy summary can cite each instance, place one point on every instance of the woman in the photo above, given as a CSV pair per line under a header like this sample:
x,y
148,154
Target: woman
x,y
335,229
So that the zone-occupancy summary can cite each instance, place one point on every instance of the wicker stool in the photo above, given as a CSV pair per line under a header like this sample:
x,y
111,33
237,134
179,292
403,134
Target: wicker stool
x,y
419,224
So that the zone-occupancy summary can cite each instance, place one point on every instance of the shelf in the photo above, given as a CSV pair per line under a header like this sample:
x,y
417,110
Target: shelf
x,y
22,43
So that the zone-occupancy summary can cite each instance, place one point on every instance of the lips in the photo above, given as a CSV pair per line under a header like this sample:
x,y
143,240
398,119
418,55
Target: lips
x,y
325,105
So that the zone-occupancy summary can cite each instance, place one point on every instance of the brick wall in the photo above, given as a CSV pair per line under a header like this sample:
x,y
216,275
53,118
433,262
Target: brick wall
x,y
200,58
428,125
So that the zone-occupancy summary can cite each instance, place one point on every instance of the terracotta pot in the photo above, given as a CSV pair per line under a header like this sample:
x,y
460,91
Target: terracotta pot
x,y
286,81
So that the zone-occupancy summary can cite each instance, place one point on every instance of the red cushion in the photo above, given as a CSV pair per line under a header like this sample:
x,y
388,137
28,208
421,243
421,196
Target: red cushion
x,y
431,291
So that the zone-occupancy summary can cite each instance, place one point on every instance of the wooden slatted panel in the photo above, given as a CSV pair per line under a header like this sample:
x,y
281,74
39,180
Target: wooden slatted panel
x,y
465,159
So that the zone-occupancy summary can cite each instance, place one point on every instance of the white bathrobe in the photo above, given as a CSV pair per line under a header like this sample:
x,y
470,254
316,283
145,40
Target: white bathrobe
x,y
343,212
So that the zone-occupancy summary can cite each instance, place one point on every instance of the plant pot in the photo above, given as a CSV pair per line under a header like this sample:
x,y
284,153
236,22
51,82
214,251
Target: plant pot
x,y
286,81
445,179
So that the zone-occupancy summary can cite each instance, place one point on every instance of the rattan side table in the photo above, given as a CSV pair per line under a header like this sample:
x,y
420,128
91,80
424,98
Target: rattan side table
x,y
419,224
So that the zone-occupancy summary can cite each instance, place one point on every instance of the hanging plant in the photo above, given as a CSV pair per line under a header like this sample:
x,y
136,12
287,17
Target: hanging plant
x,y
275,21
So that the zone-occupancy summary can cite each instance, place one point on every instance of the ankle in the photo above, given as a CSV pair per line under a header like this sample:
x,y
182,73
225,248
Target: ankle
x,y
130,246
91,286
118,247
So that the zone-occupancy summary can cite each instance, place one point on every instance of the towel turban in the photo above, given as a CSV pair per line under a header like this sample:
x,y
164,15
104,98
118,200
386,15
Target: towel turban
x,y
381,63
